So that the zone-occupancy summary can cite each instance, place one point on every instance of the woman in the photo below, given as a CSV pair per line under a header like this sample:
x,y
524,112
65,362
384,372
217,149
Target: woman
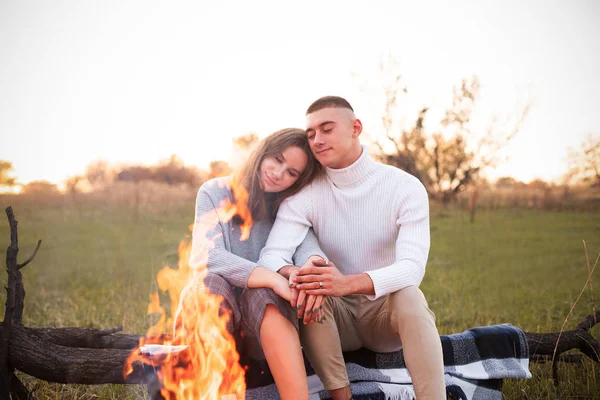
x,y
280,166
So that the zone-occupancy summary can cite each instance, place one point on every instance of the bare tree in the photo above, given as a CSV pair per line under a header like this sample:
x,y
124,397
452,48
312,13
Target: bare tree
x,y
242,146
40,188
449,158
173,171
219,168
247,141
5,168
73,184
584,164
99,173
508,182
135,173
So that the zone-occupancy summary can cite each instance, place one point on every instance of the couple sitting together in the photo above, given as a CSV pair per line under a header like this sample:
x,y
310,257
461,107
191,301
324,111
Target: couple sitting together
x,y
333,261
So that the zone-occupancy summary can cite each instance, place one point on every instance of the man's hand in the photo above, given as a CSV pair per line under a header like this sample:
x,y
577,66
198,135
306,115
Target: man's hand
x,y
323,280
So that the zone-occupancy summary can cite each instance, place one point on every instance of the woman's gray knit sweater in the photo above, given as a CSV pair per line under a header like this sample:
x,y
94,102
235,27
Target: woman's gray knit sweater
x,y
230,257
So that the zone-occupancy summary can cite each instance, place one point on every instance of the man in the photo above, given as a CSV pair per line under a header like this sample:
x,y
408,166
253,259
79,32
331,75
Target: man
x,y
372,222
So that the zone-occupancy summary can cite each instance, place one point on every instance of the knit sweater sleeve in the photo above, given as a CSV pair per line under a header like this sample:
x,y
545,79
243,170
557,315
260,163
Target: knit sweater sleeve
x,y
289,230
412,244
309,247
208,245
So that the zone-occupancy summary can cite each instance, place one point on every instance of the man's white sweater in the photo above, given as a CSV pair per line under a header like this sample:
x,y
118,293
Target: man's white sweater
x,y
369,218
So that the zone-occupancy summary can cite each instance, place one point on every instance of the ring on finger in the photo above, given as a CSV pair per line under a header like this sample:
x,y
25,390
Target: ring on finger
x,y
321,284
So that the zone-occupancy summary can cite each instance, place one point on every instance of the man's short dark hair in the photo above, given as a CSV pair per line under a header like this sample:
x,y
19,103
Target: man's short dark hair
x,y
328,102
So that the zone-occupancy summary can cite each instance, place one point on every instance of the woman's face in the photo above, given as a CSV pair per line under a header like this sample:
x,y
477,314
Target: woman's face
x,y
282,170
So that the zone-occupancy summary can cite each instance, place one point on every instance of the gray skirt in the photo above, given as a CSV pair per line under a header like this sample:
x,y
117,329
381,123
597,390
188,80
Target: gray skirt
x,y
247,309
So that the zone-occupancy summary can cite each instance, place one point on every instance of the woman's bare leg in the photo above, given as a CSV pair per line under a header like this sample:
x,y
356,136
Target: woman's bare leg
x,y
281,345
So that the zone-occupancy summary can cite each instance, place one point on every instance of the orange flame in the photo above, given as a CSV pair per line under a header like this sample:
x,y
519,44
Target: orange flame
x,y
198,357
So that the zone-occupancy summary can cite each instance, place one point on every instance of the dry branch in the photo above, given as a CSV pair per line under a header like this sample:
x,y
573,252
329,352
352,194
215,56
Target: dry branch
x,y
13,312
34,352
24,263
544,343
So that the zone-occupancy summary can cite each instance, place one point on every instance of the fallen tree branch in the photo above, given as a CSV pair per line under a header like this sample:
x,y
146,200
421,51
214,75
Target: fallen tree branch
x,y
85,338
31,352
589,321
544,343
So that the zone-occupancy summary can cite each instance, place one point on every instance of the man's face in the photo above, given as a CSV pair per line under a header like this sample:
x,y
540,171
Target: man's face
x,y
332,136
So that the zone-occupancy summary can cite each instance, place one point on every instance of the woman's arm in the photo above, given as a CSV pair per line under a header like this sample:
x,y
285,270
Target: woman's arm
x,y
261,277
208,245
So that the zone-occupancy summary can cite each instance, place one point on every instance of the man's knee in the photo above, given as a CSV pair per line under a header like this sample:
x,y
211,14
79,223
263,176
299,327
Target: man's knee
x,y
410,303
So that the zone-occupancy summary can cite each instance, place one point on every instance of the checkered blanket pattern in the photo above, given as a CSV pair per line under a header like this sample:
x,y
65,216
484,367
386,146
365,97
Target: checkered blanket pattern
x,y
476,361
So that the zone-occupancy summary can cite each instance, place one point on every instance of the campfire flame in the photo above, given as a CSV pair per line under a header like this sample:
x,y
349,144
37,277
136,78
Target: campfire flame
x,y
198,357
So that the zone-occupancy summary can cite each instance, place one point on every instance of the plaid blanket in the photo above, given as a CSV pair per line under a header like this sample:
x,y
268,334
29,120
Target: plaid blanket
x,y
476,361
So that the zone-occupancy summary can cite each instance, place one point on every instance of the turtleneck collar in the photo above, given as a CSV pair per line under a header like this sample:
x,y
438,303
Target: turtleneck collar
x,y
355,172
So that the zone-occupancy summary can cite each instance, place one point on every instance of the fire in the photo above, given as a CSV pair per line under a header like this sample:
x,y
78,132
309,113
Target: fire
x,y
194,354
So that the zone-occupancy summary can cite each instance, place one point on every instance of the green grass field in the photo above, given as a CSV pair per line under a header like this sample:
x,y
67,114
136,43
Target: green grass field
x,y
96,268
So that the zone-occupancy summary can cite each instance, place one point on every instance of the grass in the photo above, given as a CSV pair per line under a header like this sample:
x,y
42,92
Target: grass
x,y
97,265
521,267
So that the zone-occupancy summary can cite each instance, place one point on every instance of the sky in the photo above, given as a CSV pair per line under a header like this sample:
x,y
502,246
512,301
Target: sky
x,y
136,81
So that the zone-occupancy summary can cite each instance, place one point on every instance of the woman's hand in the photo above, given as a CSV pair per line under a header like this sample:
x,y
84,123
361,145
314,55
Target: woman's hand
x,y
292,271
261,277
281,287
312,312
308,306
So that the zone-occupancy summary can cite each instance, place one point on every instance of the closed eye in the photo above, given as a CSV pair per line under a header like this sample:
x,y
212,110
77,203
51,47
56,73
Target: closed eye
x,y
327,127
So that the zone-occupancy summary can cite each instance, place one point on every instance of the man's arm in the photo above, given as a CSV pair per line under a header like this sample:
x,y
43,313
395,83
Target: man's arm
x,y
412,249
412,245
289,230
308,249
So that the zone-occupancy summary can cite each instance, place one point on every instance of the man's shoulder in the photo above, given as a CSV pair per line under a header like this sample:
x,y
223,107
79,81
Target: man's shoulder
x,y
400,177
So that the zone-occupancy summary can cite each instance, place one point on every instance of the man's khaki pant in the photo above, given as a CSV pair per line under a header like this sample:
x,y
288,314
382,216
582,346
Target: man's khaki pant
x,y
399,320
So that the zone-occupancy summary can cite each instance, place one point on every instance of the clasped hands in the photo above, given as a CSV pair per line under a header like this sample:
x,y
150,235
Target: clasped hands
x,y
310,284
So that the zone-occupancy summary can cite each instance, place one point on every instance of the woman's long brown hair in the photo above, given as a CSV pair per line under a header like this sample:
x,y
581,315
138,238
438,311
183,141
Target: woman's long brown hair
x,y
249,174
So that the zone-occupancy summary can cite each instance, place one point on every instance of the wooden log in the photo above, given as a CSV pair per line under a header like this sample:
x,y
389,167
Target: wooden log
x,y
31,353
86,338
545,343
